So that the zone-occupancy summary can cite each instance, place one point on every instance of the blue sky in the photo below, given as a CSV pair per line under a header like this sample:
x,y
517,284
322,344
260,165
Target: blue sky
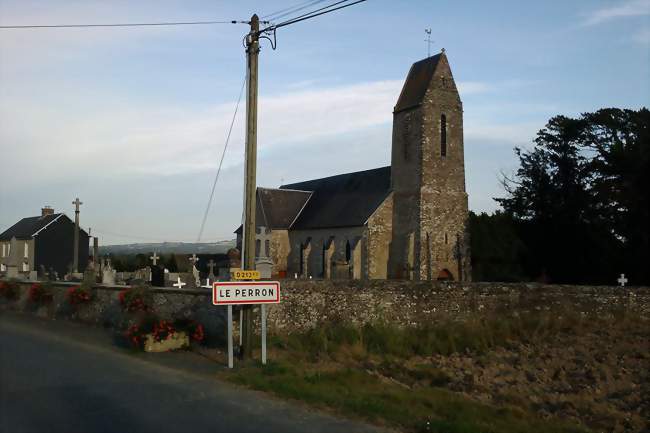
x,y
133,121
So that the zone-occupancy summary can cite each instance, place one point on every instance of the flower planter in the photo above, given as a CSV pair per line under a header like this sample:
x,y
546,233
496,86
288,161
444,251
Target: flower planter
x,y
177,340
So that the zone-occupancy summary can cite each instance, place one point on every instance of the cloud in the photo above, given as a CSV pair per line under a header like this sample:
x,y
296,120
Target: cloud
x,y
631,8
114,135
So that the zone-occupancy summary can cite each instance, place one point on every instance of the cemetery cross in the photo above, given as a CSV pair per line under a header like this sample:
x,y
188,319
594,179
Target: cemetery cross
x,y
622,280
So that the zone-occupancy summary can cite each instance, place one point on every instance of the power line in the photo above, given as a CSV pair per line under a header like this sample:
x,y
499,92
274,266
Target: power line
x,y
168,23
223,154
312,14
293,9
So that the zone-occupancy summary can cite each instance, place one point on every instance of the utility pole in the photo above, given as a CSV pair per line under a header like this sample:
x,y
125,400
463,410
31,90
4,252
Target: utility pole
x,y
75,260
250,186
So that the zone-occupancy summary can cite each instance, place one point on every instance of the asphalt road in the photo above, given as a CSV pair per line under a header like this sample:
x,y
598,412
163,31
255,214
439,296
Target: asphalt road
x,y
64,377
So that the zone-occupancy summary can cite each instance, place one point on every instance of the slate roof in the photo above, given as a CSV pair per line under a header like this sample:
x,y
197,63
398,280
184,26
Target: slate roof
x,y
277,208
26,227
280,206
346,200
417,82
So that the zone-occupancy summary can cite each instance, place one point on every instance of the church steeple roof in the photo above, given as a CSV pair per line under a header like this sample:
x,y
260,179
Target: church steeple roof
x,y
417,82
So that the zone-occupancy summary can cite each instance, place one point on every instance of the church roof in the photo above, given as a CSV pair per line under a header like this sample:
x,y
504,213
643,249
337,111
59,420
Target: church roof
x,y
346,200
417,83
27,227
279,207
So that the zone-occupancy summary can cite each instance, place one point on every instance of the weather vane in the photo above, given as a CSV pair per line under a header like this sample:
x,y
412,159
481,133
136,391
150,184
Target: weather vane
x,y
428,41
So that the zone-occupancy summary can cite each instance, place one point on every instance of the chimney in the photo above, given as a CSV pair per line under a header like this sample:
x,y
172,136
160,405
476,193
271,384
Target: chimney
x,y
47,210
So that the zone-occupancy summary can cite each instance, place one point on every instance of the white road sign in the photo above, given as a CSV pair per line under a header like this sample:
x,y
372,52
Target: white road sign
x,y
245,292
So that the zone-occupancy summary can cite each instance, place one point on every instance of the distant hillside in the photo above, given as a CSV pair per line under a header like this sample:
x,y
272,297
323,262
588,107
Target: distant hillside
x,y
169,247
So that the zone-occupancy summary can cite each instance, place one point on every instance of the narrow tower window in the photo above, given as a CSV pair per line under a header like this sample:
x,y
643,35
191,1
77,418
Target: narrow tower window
x,y
443,135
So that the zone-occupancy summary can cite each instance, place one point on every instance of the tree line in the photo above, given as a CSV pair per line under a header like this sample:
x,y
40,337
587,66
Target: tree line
x,y
577,208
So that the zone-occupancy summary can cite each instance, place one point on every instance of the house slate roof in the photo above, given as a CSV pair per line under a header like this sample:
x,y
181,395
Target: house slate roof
x,y
277,208
345,200
26,227
417,83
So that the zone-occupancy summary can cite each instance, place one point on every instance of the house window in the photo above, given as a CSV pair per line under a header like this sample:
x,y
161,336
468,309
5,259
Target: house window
x,y
443,135
446,239
26,250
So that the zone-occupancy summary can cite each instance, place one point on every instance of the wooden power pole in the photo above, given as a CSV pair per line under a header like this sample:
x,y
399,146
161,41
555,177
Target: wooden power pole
x,y
252,51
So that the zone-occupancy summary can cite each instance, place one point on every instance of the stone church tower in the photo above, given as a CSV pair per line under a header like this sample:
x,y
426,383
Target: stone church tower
x,y
429,231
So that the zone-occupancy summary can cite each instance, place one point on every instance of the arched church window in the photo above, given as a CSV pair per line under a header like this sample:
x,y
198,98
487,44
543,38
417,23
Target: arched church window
x,y
348,251
257,247
267,248
443,135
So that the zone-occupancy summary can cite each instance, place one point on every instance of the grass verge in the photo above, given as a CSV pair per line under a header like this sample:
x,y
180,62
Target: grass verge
x,y
355,392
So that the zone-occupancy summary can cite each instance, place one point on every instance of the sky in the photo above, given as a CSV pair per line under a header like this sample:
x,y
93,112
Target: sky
x,y
133,121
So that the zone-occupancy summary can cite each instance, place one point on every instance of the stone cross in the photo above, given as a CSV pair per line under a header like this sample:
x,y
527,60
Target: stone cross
x,y
154,258
622,280
180,284
75,265
194,259
211,265
207,284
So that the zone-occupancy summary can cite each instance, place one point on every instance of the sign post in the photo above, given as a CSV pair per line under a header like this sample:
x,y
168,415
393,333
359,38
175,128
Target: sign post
x,y
231,293
263,314
230,361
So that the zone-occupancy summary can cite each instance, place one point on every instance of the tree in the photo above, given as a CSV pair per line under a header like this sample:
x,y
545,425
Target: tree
x,y
620,143
579,199
498,253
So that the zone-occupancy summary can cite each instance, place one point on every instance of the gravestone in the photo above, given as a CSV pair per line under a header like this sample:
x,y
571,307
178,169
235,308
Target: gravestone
x,y
265,267
42,273
156,273
170,278
143,274
234,258
211,265
157,276
108,273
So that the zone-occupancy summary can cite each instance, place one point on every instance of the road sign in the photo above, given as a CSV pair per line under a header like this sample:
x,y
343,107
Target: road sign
x,y
245,292
239,274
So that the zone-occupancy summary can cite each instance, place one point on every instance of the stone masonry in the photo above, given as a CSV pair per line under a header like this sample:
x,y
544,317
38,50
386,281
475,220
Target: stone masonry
x,y
430,239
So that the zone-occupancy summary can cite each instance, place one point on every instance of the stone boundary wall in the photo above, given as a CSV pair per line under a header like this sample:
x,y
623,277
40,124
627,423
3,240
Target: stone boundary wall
x,y
306,304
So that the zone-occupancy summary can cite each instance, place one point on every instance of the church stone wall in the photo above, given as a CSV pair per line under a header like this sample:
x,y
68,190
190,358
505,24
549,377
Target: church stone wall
x,y
318,239
405,179
380,226
280,251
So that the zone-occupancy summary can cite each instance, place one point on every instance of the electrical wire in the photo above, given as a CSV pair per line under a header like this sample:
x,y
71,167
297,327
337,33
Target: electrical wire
x,y
170,23
223,154
312,14
293,9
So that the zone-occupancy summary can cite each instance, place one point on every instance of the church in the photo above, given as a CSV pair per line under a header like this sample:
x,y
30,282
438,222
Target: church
x,y
404,221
